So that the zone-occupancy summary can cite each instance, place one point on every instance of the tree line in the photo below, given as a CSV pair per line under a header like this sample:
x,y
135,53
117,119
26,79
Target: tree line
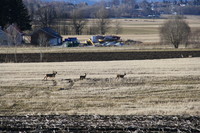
x,y
69,18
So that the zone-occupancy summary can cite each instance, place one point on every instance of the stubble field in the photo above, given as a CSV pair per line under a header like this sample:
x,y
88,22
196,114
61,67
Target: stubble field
x,y
151,87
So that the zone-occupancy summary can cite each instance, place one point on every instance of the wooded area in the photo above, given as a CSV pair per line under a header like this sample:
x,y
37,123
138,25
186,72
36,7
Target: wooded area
x,y
69,18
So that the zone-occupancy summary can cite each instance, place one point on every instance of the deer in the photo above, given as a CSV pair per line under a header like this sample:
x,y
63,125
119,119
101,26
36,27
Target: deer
x,y
120,75
70,85
52,75
83,76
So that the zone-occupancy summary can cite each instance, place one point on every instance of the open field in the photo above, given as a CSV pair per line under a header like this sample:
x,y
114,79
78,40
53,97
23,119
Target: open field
x,y
144,30
151,87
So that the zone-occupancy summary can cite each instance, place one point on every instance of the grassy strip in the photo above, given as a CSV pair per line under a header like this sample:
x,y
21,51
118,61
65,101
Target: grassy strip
x,y
21,50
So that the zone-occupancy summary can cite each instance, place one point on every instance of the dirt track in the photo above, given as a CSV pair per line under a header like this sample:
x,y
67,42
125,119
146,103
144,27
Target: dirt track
x,y
97,56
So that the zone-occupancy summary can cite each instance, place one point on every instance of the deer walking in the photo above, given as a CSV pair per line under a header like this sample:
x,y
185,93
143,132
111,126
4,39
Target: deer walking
x,y
120,75
83,76
52,75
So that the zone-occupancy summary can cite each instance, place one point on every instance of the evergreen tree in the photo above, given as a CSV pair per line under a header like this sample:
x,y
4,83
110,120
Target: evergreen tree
x,y
14,11
3,13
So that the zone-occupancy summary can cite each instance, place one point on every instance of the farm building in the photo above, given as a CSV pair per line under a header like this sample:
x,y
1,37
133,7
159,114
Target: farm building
x,y
16,35
5,39
11,36
46,37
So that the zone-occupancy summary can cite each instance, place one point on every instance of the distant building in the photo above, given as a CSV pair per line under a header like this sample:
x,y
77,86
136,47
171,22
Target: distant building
x,y
5,39
11,36
46,36
15,33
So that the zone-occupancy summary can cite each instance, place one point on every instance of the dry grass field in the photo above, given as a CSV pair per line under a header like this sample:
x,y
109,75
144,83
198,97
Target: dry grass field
x,y
157,87
144,30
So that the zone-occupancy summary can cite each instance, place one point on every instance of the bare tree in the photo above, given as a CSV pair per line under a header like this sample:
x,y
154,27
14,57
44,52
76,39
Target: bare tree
x,y
78,21
92,28
117,26
103,20
46,16
43,42
65,28
15,36
175,31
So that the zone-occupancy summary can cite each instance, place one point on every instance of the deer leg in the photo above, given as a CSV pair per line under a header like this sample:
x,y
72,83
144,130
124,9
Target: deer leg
x,y
45,77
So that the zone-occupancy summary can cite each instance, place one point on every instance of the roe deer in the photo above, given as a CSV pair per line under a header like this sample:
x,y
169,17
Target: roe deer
x,y
120,75
83,76
50,75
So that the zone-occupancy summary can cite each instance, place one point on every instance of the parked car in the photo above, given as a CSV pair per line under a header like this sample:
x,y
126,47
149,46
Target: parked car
x,y
71,42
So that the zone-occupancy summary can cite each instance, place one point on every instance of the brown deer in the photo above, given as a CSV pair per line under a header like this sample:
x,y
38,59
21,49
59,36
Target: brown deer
x,y
83,76
50,75
120,75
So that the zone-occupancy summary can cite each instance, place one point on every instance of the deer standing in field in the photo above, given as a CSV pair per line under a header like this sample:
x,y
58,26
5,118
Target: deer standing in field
x,y
52,75
83,76
120,75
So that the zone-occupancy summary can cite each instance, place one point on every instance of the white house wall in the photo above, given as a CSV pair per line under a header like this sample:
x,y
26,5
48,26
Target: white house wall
x,y
59,40
15,35
5,39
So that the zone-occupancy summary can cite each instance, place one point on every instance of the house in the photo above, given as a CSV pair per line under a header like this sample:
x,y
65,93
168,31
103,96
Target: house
x,y
5,39
46,36
16,35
